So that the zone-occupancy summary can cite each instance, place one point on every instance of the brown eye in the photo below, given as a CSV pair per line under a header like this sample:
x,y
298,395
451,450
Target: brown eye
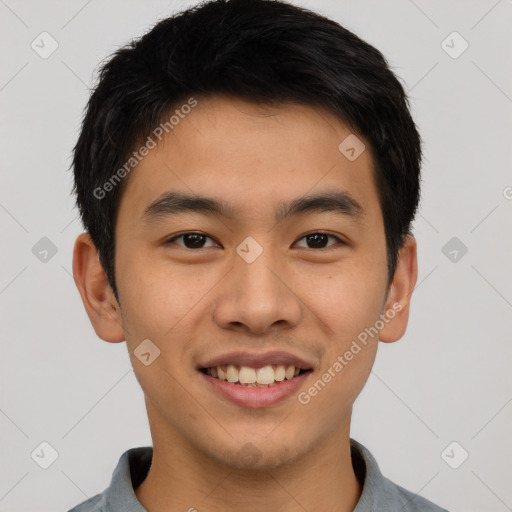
x,y
190,240
319,240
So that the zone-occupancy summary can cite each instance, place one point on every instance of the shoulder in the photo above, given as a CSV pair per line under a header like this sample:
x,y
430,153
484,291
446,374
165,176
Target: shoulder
x,y
380,494
411,502
93,504
131,470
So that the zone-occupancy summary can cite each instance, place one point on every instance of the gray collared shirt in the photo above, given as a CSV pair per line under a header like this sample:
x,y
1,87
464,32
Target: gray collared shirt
x,y
379,493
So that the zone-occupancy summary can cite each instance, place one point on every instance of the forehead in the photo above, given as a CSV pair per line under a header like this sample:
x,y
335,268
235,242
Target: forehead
x,y
254,157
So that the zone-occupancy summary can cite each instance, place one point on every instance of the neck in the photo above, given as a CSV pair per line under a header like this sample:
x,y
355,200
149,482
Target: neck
x,y
184,479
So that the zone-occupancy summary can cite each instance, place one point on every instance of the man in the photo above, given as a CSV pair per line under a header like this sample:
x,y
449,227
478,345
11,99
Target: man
x,y
247,173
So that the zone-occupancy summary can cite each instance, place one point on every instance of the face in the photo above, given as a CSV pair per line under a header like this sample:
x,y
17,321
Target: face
x,y
284,265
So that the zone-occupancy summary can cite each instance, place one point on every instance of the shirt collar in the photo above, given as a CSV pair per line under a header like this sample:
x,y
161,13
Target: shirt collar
x,y
134,465
130,472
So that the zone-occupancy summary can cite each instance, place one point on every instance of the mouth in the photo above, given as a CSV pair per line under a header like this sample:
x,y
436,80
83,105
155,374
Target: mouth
x,y
255,380
262,377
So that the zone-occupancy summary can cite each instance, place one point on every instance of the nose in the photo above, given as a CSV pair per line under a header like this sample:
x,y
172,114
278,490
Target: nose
x,y
257,297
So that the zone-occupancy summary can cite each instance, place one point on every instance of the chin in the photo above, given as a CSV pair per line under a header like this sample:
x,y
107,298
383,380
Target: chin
x,y
259,455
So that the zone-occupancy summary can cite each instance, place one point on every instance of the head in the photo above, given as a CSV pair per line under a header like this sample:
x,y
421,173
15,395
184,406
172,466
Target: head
x,y
251,108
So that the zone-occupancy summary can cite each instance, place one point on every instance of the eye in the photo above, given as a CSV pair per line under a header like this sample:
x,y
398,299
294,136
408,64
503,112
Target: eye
x,y
318,240
191,240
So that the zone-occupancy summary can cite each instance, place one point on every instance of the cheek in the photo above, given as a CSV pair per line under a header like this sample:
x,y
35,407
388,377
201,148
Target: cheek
x,y
158,307
349,300
349,303
348,357
166,305
333,394
156,302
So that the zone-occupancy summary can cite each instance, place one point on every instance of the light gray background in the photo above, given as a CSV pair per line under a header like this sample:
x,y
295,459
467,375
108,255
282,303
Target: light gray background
x,y
447,380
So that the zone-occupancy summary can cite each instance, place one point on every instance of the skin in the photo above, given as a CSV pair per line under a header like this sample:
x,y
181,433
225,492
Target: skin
x,y
194,304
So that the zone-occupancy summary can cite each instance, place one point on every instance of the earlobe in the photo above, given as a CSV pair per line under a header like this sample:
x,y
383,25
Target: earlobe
x,y
396,310
97,296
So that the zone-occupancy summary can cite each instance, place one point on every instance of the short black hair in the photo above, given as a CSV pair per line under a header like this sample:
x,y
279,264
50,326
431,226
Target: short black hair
x,y
264,51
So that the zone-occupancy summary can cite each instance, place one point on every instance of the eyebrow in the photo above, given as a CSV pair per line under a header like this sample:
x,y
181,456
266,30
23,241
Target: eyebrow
x,y
174,203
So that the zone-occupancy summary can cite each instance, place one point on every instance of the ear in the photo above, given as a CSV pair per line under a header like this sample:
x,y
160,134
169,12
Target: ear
x,y
396,309
97,295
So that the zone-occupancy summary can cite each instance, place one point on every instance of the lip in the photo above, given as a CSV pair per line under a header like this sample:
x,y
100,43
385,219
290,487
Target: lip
x,y
255,360
255,397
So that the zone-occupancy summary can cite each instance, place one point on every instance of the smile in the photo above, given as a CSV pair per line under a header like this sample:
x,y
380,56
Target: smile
x,y
266,376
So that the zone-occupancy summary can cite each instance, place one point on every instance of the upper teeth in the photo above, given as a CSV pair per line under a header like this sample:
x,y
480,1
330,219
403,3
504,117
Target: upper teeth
x,y
267,375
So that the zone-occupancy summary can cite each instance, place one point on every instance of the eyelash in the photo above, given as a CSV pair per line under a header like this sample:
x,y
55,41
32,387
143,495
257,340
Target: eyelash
x,y
176,237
